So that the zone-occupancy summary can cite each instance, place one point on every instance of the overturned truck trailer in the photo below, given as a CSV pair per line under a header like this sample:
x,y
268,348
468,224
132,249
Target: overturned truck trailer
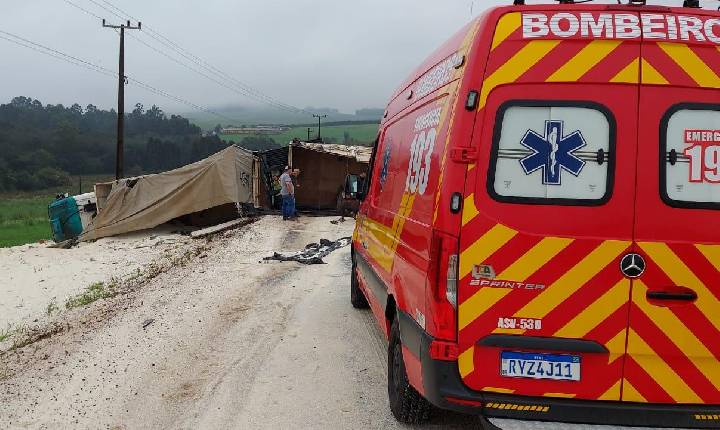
x,y
324,171
133,204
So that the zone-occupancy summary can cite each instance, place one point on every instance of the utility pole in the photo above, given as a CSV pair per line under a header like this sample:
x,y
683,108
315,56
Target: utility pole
x,y
319,117
309,129
120,159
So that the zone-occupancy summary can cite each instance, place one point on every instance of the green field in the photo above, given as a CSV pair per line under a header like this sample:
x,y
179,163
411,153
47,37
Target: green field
x,y
23,220
23,216
361,134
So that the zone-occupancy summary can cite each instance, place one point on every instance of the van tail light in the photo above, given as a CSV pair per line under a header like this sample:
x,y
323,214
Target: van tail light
x,y
443,350
441,294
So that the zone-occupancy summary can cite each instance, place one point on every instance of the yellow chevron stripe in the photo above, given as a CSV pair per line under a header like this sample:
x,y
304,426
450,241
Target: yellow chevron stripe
x,y
520,271
478,304
484,247
515,67
498,390
573,279
597,312
688,60
712,253
469,210
507,25
663,374
680,274
630,394
535,259
679,334
583,61
629,75
560,395
466,362
651,75
613,393
616,346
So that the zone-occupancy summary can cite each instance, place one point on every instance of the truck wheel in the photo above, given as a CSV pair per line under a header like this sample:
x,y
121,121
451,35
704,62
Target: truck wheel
x,y
357,298
406,404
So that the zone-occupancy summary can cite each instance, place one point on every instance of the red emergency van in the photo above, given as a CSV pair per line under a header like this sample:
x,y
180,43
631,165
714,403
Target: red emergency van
x,y
540,235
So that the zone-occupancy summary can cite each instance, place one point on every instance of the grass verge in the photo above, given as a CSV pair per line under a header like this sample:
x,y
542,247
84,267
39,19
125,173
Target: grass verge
x,y
92,294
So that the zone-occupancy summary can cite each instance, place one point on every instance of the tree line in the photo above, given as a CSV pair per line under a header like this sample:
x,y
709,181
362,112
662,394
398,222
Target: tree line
x,y
42,146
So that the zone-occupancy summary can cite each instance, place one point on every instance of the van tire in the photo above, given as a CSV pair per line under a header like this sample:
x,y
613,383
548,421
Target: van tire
x,y
406,404
357,298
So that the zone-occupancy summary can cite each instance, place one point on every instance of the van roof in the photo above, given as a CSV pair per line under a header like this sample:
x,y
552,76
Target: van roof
x,y
487,21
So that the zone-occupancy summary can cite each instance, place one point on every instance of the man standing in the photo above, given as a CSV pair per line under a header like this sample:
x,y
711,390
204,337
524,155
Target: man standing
x,y
287,191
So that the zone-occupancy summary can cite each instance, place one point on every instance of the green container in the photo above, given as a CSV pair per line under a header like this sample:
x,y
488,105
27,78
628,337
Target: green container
x,y
65,219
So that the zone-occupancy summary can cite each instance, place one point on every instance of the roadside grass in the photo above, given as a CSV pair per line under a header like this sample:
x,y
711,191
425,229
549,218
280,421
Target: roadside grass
x,y
24,217
24,335
92,294
361,134
52,307
6,333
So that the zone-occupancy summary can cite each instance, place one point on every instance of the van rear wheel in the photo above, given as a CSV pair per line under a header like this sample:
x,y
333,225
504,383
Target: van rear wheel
x,y
357,298
406,404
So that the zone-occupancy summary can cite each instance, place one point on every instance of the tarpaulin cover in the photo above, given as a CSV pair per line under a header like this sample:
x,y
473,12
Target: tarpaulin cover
x,y
148,201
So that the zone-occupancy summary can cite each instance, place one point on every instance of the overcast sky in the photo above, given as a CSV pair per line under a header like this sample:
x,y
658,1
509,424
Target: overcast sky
x,y
337,53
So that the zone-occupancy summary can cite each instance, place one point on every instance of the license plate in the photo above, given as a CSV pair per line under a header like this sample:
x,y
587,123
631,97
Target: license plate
x,y
540,366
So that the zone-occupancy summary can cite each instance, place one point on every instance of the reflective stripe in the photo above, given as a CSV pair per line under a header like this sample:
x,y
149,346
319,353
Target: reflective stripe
x,y
519,271
573,279
583,61
611,394
484,247
630,394
628,75
680,274
515,67
596,313
650,75
466,362
659,370
507,25
469,209
689,61
679,334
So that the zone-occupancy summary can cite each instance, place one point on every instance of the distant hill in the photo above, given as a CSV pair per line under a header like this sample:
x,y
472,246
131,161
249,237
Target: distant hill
x,y
259,115
42,145
349,134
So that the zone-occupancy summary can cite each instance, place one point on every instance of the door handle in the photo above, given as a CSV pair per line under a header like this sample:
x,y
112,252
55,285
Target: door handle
x,y
689,296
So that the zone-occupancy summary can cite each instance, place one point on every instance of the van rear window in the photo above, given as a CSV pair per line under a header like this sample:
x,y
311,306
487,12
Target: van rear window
x,y
690,142
552,153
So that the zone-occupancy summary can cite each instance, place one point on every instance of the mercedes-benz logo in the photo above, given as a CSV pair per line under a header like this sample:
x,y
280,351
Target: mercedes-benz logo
x,y
633,265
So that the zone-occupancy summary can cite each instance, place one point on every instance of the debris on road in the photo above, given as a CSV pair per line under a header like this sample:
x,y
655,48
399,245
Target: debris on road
x,y
221,227
313,253
147,322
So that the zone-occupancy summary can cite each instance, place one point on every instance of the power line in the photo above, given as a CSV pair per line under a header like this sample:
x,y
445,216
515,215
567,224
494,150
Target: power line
x,y
56,52
23,42
238,86
57,56
172,45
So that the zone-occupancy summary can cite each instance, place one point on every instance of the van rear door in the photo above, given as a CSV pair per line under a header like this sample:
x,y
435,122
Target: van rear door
x,y
548,216
673,348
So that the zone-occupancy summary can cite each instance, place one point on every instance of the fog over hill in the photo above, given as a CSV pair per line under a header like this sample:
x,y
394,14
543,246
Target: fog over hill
x,y
256,115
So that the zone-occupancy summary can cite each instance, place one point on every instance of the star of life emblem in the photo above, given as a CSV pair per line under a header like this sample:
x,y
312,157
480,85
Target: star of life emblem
x,y
553,152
